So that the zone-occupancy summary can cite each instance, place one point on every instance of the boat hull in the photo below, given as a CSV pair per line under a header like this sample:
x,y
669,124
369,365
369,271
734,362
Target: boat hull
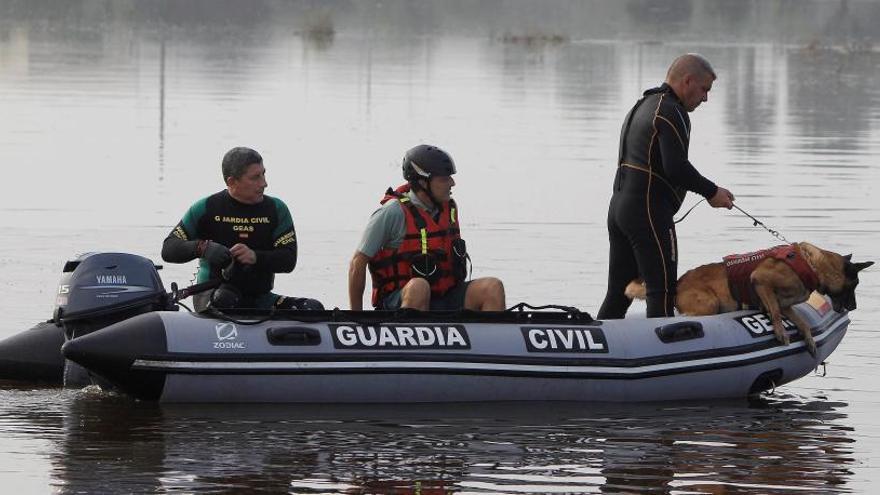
x,y
34,355
364,357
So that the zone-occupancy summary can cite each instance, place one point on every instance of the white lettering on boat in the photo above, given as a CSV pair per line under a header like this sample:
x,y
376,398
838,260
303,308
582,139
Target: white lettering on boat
x,y
227,336
387,338
400,337
426,336
760,324
230,345
111,279
564,339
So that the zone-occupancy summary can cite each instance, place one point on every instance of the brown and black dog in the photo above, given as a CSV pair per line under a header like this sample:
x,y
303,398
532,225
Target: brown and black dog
x,y
773,280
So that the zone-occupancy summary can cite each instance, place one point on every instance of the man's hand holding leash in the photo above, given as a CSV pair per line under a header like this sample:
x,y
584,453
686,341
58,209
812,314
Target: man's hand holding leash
x,y
722,199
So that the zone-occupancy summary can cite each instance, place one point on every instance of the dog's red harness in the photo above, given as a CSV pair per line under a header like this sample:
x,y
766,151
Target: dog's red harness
x,y
740,267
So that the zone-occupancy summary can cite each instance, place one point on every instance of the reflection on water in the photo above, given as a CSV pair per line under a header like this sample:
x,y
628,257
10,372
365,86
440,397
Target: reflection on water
x,y
104,443
116,115
332,95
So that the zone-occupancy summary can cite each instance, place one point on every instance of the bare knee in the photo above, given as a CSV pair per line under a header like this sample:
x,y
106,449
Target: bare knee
x,y
485,294
416,294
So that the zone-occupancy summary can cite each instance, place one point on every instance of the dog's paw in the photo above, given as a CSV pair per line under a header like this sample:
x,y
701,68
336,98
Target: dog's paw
x,y
783,338
812,349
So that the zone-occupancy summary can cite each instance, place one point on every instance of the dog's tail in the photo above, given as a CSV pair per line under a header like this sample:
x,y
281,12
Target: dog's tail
x,y
635,289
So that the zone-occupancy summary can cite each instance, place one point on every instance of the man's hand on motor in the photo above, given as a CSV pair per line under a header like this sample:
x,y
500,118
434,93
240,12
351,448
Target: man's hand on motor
x,y
722,199
243,254
215,253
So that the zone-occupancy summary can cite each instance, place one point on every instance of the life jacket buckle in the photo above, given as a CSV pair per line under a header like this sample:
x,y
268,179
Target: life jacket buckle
x,y
425,266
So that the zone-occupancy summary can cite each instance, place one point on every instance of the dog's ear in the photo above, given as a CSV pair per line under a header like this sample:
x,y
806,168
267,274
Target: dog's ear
x,y
811,252
861,266
848,257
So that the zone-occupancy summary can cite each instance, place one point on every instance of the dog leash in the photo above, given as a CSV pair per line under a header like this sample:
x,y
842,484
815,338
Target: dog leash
x,y
689,211
774,233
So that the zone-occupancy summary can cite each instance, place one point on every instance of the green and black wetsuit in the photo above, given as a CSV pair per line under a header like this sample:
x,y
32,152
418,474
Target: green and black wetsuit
x,y
266,227
653,176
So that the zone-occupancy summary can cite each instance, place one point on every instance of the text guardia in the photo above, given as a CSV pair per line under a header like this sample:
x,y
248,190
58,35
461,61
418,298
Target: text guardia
x,y
398,337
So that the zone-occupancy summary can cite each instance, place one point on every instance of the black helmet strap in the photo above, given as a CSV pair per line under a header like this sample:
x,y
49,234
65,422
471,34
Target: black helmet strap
x,y
415,186
430,194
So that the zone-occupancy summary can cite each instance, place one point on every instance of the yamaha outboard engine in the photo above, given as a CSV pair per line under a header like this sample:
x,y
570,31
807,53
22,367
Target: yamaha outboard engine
x,y
99,289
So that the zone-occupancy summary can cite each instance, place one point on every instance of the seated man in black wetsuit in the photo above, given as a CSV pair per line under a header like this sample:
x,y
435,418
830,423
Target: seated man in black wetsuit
x,y
653,176
241,237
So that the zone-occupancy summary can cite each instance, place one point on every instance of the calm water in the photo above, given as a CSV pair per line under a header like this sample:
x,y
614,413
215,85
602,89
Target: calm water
x,y
115,116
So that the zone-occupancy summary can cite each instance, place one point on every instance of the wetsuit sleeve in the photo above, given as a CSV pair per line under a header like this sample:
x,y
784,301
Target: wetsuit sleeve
x,y
281,258
672,137
180,245
386,228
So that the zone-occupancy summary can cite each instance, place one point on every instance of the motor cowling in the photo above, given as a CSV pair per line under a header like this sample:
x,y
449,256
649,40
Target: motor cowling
x,y
99,289
106,286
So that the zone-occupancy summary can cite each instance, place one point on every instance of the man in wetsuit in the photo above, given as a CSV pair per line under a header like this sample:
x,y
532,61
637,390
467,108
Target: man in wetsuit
x,y
413,248
653,176
241,237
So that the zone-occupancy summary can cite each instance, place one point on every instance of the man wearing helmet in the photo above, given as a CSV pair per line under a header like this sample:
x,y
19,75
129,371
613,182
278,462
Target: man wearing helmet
x,y
413,248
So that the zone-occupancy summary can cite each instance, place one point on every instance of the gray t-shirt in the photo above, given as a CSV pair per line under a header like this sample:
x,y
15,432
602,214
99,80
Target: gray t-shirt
x,y
387,226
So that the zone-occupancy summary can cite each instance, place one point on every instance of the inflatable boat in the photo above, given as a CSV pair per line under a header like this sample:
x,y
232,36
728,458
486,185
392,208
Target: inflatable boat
x,y
434,357
122,330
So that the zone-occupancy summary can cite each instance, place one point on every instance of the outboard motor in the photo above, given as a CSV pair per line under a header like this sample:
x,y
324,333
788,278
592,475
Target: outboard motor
x,y
99,289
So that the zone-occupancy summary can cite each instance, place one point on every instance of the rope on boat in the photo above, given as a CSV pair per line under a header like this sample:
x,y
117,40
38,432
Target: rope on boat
x,y
217,313
523,306
184,306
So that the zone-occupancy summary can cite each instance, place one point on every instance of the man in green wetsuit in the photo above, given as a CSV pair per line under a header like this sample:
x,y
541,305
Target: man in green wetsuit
x,y
241,237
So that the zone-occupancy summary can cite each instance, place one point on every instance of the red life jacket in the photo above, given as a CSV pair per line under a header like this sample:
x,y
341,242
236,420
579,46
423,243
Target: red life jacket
x,y
391,269
740,267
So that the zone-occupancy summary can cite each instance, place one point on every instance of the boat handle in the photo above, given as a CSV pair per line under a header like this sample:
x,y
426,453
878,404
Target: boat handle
x,y
293,336
678,332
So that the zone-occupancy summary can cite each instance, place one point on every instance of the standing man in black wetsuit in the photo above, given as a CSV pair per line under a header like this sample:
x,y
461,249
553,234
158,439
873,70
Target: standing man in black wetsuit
x,y
241,237
653,176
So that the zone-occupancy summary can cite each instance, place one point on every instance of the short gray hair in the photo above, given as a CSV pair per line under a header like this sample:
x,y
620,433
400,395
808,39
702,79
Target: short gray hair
x,y
237,160
689,63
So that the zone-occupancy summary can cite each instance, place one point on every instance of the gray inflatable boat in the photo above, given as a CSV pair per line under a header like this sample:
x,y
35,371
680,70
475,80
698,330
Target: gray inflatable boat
x,y
350,357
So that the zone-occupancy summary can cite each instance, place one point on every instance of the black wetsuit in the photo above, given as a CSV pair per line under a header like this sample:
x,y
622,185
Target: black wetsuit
x,y
266,227
653,175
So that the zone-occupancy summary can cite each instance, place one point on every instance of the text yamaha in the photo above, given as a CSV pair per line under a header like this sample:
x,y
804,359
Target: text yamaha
x,y
111,279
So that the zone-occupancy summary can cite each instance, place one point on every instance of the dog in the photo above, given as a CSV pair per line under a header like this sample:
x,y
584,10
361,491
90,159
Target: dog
x,y
772,280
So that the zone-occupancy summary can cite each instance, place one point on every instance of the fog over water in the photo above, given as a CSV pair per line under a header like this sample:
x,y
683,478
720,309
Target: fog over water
x,y
116,115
